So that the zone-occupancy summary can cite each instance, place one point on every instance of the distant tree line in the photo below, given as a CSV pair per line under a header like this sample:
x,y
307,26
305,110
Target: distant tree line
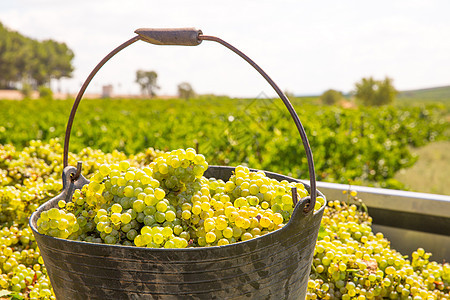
x,y
373,92
147,80
368,91
331,97
28,62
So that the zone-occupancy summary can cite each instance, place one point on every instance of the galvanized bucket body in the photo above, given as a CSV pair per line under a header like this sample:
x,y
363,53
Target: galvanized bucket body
x,y
273,266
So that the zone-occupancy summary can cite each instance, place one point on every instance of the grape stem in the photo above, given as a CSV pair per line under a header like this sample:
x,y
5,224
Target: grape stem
x,y
313,268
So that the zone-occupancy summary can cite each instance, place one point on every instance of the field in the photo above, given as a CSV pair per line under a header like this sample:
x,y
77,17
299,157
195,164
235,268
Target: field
x,y
439,94
358,146
431,172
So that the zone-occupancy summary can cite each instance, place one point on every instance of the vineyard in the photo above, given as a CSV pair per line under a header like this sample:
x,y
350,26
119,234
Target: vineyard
x,y
360,145
364,145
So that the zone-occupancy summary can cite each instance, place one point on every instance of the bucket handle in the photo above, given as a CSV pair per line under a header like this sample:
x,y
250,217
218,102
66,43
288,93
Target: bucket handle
x,y
193,37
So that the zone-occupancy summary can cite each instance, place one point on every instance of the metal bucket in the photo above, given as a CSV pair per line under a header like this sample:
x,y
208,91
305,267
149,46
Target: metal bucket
x,y
272,266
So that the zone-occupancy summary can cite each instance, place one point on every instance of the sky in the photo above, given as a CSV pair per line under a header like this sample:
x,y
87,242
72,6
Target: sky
x,y
306,47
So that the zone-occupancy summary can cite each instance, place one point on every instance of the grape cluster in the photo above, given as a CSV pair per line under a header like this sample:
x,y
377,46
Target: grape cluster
x,y
22,270
170,204
28,178
351,262
248,205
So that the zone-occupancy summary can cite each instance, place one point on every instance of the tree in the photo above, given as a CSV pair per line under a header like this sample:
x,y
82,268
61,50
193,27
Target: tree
x,y
62,66
14,55
147,81
331,97
185,91
375,92
45,93
386,92
31,62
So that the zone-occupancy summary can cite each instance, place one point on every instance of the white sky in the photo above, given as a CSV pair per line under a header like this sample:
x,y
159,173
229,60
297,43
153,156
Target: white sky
x,y
307,47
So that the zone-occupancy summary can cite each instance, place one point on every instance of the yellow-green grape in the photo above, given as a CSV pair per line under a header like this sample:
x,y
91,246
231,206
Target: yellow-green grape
x,y
210,237
350,261
169,204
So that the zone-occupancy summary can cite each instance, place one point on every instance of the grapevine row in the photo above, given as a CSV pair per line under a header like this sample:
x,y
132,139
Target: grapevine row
x,y
364,145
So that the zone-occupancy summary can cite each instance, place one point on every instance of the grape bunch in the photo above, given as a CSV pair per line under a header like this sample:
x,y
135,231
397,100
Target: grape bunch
x,y
352,262
28,178
248,205
170,204
21,266
179,170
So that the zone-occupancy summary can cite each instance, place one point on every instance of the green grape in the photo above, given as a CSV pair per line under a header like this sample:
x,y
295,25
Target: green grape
x,y
359,264
161,199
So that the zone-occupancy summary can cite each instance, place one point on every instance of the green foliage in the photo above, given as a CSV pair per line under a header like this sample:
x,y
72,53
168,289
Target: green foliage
x,y
185,91
147,81
45,93
331,97
362,145
375,92
23,59
26,90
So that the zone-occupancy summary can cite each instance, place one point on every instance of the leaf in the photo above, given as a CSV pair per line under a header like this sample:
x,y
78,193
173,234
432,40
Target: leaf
x,y
322,232
17,297
4,293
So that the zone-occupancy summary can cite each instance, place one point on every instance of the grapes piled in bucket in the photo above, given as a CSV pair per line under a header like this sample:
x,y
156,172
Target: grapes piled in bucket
x,y
170,204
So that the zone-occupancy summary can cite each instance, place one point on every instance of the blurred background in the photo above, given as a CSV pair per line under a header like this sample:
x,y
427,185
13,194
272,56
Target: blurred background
x,y
305,46
371,83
